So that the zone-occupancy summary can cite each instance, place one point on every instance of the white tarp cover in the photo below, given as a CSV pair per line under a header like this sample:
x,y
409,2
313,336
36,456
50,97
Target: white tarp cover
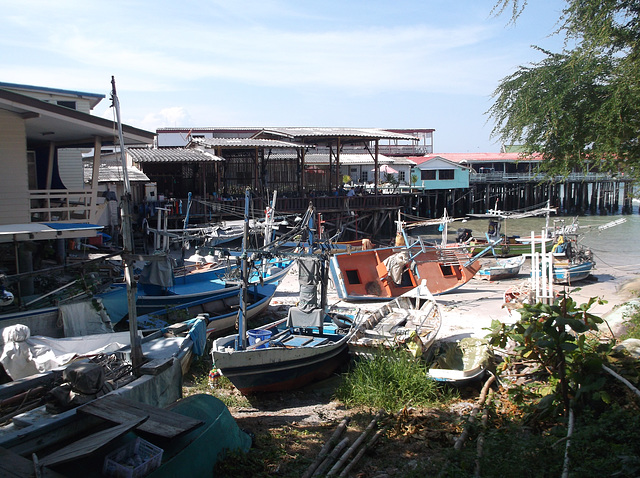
x,y
85,318
395,265
24,355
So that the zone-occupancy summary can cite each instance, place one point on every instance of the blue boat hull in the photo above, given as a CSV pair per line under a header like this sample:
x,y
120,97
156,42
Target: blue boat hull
x,y
572,273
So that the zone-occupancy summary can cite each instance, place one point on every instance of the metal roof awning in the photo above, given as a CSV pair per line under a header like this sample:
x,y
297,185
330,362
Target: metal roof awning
x,y
345,159
39,231
171,155
113,174
242,143
47,122
342,133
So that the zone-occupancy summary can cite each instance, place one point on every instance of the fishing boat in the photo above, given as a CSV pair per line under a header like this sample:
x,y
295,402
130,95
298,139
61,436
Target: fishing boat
x,y
114,436
286,354
410,322
502,268
306,346
388,272
459,362
572,261
222,310
159,289
506,245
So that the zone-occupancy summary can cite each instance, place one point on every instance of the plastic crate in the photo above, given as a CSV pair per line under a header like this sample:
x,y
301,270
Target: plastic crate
x,y
134,460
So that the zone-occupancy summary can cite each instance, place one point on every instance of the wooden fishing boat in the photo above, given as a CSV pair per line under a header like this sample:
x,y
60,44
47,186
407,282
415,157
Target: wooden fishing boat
x,y
385,273
571,262
198,286
501,268
509,245
222,310
115,436
459,362
43,409
567,272
309,345
285,355
409,322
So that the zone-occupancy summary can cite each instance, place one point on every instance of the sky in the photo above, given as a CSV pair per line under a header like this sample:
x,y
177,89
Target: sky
x,y
276,63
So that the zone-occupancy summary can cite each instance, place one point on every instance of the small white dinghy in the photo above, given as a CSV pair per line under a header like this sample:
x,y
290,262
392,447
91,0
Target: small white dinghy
x,y
502,269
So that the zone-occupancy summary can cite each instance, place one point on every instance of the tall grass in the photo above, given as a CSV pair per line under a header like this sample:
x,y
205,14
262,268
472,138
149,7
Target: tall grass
x,y
390,380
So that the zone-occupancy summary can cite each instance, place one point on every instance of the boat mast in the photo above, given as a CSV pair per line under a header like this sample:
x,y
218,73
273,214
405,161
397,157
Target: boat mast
x,y
268,228
127,239
242,333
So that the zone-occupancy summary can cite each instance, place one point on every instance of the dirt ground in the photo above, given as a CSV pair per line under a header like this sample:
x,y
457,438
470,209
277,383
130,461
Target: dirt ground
x,y
299,423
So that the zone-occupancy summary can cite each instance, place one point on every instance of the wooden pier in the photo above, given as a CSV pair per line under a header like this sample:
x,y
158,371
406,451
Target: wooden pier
x,y
370,215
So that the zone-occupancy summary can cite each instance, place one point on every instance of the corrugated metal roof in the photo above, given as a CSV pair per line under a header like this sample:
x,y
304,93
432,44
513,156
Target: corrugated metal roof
x,y
301,132
170,155
363,133
110,173
345,159
243,143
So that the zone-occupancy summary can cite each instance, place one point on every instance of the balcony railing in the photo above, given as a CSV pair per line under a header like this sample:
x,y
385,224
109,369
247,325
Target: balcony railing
x,y
61,205
499,176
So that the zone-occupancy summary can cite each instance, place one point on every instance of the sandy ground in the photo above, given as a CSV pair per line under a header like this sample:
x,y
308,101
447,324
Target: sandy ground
x,y
471,309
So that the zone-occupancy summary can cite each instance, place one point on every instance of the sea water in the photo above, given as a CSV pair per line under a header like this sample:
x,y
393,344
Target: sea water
x,y
616,248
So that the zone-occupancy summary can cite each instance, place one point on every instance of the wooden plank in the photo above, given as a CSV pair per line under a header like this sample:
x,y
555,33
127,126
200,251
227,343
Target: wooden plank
x,y
13,465
161,422
89,444
156,366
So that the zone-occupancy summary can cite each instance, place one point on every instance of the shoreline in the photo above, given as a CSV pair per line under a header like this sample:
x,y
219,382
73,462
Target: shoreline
x,y
469,310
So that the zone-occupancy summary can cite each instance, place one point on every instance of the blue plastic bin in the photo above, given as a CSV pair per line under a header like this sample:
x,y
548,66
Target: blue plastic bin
x,y
259,336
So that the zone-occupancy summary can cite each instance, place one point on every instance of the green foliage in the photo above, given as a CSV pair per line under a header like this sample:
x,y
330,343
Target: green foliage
x,y
390,380
553,336
579,108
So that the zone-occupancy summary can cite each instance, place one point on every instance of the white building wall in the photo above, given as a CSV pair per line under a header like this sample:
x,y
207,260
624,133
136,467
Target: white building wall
x,y
14,182
70,168
172,140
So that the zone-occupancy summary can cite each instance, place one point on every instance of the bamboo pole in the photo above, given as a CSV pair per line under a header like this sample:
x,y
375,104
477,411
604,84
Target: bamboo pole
x,y
332,457
622,379
480,444
327,446
363,450
565,467
355,445
472,416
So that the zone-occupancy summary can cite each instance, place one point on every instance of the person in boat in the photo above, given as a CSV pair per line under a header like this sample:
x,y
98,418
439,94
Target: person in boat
x,y
366,244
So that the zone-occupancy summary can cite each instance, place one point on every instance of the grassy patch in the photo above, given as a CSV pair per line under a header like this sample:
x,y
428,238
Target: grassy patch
x,y
390,380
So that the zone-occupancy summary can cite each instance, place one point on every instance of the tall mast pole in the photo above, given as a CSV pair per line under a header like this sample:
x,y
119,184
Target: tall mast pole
x,y
127,238
242,313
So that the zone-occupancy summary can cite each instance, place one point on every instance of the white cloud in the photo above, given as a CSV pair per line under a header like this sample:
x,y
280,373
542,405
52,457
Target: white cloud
x,y
167,117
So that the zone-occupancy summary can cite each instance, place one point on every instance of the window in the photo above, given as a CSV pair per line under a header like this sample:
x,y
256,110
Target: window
x,y
364,177
353,277
401,176
446,174
428,174
67,104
